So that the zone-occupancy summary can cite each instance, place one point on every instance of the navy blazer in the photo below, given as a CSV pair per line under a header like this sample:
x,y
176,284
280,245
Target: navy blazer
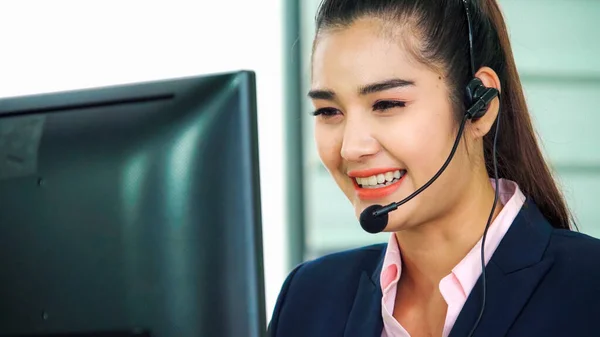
x,y
541,282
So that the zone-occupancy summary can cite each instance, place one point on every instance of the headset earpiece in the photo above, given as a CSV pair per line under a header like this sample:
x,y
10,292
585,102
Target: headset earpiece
x,y
478,98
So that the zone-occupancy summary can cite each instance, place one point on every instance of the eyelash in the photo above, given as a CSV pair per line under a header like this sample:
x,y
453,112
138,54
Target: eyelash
x,y
325,112
378,106
384,105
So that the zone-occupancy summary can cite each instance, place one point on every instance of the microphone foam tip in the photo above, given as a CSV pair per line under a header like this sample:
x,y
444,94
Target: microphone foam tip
x,y
371,223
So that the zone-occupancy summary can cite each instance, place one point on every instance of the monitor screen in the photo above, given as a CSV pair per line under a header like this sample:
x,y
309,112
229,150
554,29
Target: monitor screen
x,y
132,210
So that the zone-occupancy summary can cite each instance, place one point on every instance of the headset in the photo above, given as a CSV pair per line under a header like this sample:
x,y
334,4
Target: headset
x,y
477,100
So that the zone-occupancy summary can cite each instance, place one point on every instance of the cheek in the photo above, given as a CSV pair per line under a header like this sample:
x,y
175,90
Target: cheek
x,y
419,144
328,144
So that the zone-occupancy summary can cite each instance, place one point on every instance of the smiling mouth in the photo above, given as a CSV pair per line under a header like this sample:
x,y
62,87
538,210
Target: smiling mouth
x,y
380,180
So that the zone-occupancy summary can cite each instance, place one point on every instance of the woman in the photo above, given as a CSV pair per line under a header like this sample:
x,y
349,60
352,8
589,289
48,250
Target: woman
x,y
388,86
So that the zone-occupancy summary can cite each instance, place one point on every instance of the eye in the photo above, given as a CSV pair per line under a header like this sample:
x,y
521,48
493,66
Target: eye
x,y
385,105
326,112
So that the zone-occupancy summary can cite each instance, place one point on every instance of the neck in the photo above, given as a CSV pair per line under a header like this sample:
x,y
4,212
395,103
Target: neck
x,y
430,251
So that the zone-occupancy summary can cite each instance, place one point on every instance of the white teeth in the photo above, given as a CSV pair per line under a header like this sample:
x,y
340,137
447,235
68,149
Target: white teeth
x,y
380,180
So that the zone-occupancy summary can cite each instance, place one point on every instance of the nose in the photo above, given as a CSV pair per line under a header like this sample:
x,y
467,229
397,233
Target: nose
x,y
359,142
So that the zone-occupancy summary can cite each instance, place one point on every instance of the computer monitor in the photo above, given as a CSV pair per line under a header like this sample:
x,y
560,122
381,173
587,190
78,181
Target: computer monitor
x,y
132,210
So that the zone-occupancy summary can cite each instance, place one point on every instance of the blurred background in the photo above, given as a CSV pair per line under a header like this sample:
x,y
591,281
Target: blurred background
x,y
48,46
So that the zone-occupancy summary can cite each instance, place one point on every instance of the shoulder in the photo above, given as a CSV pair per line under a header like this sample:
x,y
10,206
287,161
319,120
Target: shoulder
x,y
569,285
572,246
343,263
323,286
338,268
575,255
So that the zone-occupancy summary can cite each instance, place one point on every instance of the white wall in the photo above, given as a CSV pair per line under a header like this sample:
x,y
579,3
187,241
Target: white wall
x,y
58,45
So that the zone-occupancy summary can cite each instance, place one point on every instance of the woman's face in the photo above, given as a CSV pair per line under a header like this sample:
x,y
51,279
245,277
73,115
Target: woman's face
x,y
385,124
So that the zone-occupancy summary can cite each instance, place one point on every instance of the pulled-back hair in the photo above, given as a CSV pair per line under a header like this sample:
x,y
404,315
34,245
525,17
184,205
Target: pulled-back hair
x,y
440,30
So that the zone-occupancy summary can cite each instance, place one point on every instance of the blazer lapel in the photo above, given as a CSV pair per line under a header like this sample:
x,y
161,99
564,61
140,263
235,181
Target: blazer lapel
x,y
513,273
365,319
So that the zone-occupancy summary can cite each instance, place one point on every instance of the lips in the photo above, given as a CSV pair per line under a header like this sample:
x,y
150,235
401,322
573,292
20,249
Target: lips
x,y
380,180
378,183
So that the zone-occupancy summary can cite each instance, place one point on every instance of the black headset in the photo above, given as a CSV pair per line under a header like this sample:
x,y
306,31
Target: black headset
x,y
478,97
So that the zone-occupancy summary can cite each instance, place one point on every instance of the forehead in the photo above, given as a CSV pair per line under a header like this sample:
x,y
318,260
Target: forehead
x,y
364,52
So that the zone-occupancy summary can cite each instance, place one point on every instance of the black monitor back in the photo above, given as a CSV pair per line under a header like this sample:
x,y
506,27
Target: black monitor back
x,y
132,208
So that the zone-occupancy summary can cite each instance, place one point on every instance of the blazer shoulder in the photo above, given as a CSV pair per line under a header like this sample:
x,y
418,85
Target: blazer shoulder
x,y
575,252
331,281
337,266
358,259
569,240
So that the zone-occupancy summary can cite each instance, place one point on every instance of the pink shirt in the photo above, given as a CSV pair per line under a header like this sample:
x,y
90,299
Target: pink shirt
x,y
456,286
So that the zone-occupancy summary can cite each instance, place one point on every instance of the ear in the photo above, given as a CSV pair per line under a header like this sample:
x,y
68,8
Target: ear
x,y
481,126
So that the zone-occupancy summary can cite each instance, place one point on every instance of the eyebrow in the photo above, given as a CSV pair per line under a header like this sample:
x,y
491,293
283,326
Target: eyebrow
x,y
364,90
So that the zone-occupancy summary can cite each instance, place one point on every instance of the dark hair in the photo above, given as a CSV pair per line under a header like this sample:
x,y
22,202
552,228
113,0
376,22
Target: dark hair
x,y
441,31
